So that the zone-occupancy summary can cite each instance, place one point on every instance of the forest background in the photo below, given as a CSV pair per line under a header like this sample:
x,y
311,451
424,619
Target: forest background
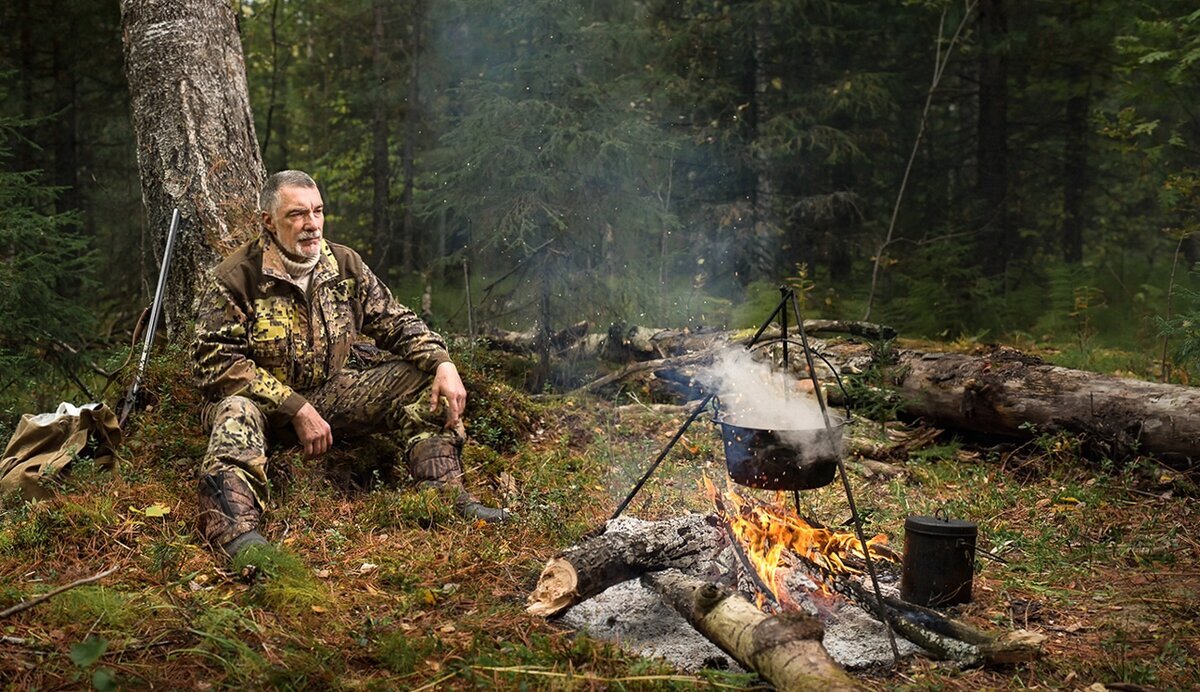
x,y
1009,170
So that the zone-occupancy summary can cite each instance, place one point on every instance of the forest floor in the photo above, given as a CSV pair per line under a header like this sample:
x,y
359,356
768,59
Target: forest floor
x,y
388,589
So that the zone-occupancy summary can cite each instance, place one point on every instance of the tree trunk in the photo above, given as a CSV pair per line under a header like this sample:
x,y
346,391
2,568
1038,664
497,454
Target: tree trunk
x,y
999,391
408,234
996,242
195,136
66,168
1075,166
380,146
627,549
785,649
1005,392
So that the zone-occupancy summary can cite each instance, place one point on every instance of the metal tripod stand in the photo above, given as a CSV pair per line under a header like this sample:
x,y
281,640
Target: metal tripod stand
x,y
788,299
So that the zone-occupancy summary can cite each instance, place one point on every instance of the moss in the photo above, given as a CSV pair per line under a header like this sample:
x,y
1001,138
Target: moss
x,y
281,580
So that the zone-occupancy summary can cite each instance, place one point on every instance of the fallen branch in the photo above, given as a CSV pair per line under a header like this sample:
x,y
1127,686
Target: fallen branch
x,y
784,649
628,548
26,605
642,366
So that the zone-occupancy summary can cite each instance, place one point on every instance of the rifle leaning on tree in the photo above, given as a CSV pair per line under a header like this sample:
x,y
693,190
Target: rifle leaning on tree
x,y
130,398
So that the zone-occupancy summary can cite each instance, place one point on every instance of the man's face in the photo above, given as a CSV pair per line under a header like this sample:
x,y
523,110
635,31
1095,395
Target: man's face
x,y
298,220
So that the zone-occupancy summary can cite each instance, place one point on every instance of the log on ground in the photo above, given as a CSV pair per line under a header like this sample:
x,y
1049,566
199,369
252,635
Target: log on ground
x,y
1006,392
627,549
784,649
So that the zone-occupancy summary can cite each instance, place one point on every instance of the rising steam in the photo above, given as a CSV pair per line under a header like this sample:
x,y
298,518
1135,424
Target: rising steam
x,y
752,394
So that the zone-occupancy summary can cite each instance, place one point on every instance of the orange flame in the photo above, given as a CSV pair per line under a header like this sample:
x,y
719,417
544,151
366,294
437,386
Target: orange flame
x,y
768,532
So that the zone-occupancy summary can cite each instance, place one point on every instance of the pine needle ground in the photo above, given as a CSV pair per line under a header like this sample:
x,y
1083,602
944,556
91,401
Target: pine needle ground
x,y
385,588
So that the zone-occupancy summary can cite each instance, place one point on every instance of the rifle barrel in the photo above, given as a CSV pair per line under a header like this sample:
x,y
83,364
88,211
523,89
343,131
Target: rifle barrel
x,y
155,311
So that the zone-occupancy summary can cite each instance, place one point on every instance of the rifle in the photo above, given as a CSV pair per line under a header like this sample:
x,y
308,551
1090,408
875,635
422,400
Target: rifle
x,y
152,325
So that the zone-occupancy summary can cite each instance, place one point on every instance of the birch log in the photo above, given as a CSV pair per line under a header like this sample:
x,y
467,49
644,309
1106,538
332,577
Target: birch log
x,y
784,649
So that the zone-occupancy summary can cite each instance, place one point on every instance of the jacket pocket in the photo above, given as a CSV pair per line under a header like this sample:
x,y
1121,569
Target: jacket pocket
x,y
270,333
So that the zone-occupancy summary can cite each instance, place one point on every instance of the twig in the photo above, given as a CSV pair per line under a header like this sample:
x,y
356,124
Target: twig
x,y
641,366
523,670
435,682
939,66
26,605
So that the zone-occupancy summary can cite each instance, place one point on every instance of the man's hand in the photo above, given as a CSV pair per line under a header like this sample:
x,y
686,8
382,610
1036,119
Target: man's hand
x,y
315,434
448,388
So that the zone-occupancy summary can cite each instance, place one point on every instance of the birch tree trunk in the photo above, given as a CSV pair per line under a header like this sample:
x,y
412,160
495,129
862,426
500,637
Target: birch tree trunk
x,y
195,136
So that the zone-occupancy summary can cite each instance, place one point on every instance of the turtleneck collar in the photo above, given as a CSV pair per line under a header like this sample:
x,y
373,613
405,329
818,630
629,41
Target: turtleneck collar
x,y
297,266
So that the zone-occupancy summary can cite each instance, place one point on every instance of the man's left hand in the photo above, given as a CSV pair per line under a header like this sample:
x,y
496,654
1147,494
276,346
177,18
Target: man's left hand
x,y
448,389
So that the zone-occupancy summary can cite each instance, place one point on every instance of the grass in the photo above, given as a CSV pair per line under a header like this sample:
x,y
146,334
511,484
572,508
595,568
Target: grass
x,y
381,586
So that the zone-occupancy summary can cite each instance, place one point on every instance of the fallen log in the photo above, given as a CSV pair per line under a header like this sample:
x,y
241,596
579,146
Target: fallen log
x,y
784,649
527,341
1005,392
627,549
1001,391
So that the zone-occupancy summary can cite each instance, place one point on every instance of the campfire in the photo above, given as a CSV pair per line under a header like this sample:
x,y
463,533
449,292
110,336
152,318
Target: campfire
x,y
775,540
705,566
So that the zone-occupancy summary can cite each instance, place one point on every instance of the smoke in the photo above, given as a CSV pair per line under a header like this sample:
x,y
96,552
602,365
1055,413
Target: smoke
x,y
752,394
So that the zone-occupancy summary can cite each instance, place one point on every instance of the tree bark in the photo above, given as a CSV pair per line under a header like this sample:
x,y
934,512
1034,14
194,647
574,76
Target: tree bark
x,y
627,549
380,144
195,136
996,242
1075,165
412,114
785,649
1005,392
997,391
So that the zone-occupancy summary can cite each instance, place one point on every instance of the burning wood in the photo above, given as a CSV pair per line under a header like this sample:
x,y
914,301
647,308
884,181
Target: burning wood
x,y
779,542
785,649
770,533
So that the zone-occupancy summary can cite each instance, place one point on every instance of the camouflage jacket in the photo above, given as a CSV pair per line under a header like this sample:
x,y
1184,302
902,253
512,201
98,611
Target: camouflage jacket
x,y
258,336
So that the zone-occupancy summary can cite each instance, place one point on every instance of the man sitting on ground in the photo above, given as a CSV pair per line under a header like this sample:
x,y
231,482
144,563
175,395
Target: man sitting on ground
x,y
272,353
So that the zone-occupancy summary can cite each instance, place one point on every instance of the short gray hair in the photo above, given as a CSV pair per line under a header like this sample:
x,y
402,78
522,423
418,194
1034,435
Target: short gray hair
x,y
269,197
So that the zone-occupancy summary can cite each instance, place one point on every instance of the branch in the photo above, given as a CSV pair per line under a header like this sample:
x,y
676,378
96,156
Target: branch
x,y
642,366
26,605
939,67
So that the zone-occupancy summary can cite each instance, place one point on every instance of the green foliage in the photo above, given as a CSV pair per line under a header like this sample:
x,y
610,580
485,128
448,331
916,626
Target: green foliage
x,y
1182,330
499,413
45,269
111,609
868,391
400,652
281,580
224,630
425,508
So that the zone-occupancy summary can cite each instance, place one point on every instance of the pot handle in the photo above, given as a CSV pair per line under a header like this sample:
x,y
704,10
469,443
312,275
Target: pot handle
x,y
815,352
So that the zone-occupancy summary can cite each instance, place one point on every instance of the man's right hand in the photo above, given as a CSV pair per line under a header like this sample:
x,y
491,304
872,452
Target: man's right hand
x,y
315,434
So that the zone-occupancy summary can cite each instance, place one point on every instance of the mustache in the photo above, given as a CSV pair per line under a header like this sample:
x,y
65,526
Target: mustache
x,y
313,235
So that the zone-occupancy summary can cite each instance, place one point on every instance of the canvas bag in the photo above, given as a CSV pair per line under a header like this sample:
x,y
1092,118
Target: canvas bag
x,y
44,445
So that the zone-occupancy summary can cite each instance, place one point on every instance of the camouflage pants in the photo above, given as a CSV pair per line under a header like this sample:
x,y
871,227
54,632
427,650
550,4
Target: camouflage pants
x,y
392,397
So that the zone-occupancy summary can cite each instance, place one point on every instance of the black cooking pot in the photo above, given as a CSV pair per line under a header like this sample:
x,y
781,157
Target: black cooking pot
x,y
781,459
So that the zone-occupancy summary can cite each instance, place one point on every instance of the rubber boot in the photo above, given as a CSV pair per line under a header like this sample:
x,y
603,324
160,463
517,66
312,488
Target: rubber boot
x,y
435,462
229,513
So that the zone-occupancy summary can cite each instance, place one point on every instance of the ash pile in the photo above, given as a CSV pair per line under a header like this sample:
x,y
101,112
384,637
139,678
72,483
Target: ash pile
x,y
636,618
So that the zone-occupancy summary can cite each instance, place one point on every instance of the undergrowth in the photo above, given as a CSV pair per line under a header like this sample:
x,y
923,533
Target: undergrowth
x,y
379,585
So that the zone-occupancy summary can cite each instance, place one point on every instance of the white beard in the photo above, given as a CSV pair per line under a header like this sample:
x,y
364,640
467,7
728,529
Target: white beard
x,y
298,248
